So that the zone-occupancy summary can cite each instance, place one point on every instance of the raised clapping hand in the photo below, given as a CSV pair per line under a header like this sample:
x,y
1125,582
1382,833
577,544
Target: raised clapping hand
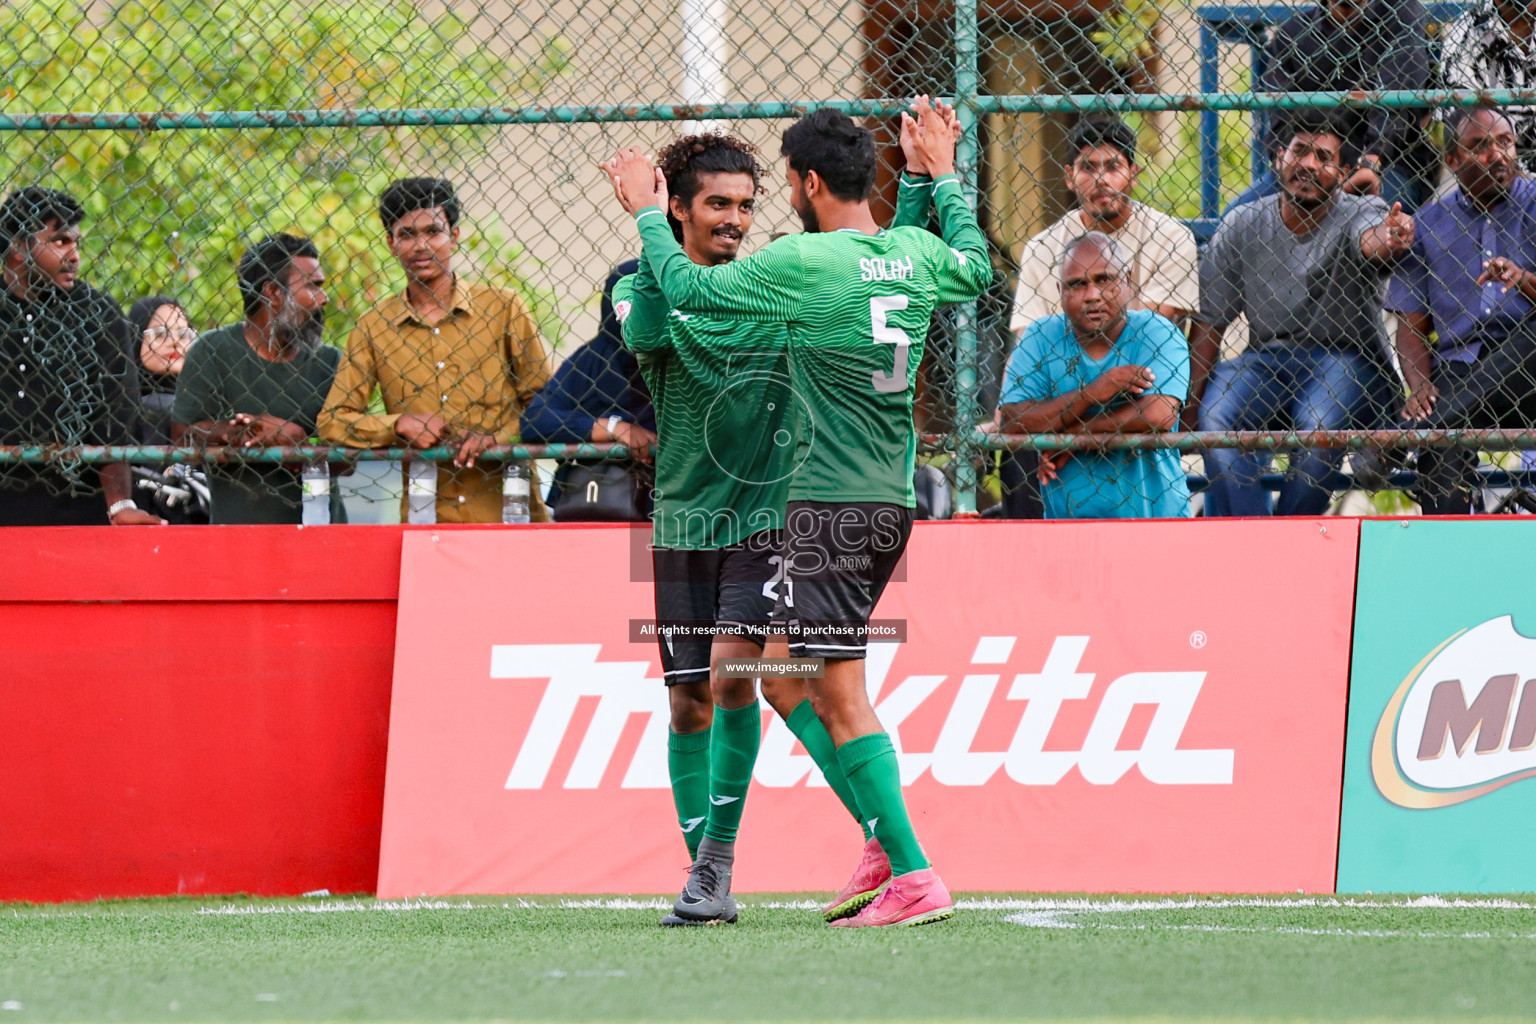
x,y
636,181
929,136
909,130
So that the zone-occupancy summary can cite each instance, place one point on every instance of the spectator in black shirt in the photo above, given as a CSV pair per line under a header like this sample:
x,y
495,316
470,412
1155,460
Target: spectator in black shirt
x,y
67,372
1344,45
596,394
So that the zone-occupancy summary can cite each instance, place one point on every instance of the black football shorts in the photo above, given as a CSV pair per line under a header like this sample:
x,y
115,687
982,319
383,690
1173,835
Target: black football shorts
x,y
838,559
718,590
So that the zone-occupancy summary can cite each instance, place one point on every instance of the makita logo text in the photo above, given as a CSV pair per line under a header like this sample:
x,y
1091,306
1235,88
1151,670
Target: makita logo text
x,y
572,673
1463,723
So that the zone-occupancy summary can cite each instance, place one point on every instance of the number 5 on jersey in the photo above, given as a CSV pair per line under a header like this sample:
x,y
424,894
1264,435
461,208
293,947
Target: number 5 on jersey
x,y
879,307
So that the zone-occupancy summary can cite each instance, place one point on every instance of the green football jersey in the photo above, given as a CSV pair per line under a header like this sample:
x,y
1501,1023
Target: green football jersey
x,y
724,435
857,308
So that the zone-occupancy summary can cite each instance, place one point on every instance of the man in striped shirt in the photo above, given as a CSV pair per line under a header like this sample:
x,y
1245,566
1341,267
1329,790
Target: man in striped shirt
x,y
1491,46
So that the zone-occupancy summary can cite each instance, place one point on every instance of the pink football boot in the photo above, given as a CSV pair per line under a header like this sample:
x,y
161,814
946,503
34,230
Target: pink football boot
x,y
873,872
917,897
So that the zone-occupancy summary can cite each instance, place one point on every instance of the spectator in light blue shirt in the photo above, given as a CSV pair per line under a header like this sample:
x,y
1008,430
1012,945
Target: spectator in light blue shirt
x,y
1099,368
1471,279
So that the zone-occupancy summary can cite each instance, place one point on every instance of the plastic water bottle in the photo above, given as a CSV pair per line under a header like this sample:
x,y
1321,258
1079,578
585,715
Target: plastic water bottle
x,y
316,484
421,492
516,491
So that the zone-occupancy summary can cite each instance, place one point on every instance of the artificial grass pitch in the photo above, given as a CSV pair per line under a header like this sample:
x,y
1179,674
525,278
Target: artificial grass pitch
x,y
591,959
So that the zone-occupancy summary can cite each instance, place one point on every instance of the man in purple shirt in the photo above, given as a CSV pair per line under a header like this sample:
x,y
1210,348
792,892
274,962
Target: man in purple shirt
x,y
1471,278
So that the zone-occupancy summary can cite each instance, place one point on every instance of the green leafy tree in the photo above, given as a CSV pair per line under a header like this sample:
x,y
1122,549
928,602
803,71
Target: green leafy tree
x,y
1127,31
171,210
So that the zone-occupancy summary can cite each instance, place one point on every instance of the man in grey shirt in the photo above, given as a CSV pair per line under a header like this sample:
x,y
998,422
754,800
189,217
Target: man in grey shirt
x,y
1309,267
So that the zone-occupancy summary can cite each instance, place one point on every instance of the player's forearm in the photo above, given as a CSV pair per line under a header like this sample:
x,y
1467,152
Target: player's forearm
x,y
682,282
962,233
957,221
765,286
914,195
645,328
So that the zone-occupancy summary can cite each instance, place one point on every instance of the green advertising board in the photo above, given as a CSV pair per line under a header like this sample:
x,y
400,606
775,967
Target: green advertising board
x,y
1440,756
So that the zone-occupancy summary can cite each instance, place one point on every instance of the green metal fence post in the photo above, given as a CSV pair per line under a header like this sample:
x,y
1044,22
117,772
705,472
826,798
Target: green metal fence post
x,y
968,164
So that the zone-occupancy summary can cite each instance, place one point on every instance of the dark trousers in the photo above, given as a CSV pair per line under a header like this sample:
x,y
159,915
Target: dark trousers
x,y
1498,390
44,505
1287,388
1021,485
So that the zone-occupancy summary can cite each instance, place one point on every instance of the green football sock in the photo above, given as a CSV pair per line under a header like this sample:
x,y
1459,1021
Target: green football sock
x,y
802,721
870,764
688,764
734,739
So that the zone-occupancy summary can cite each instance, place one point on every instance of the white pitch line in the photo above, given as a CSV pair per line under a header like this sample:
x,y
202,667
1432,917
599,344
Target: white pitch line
x,y
1047,920
1032,913
615,903
1047,913
344,906
1191,903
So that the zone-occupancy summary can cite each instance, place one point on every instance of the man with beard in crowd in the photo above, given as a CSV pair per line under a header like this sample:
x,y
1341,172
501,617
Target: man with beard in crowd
x,y
1309,269
1493,46
260,383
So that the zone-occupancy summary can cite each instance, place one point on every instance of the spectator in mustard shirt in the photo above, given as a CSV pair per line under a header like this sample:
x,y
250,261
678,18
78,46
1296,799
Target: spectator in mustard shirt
x,y
456,361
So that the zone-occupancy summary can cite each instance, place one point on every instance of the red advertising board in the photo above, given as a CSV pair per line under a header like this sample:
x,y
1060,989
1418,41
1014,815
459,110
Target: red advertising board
x,y
1151,706
193,710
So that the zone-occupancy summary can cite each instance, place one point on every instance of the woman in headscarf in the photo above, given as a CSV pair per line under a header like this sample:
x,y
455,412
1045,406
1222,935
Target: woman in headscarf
x,y
164,334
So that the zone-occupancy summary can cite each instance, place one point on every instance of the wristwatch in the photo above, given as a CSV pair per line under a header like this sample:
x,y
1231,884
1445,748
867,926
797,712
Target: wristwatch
x,y
1370,163
613,424
117,506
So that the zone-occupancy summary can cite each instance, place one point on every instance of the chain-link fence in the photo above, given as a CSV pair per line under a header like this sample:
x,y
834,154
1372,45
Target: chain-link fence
x,y
1303,286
